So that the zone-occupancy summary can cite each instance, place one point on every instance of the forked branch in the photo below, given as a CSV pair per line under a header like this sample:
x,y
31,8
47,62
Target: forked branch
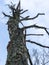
x,y
36,26
37,44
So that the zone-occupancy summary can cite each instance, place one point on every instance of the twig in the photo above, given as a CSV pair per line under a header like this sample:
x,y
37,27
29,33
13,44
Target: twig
x,y
22,24
37,44
6,15
24,11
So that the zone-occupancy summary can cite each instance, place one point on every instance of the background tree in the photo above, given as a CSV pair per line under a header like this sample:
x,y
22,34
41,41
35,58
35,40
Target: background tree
x,y
17,51
40,57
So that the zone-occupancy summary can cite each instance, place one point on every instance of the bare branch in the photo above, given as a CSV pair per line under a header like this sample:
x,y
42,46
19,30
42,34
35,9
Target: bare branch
x,y
29,58
21,17
21,10
36,26
12,7
33,17
24,11
28,51
6,15
22,24
35,34
37,44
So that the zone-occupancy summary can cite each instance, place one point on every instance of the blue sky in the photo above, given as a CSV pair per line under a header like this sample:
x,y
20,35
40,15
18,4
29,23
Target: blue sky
x,y
34,7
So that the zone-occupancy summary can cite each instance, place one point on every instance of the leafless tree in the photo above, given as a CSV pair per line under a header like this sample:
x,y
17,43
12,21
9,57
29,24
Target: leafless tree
x,y
17,50
41,57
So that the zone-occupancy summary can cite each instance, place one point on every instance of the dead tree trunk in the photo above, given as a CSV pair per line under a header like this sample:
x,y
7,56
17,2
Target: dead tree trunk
x,y
17,51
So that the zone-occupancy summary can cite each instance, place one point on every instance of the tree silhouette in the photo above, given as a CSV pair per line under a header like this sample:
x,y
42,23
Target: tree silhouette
x,y
17,50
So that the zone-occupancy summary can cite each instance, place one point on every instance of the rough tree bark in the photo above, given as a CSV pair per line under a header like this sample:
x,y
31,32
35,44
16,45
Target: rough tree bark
x,y
17,50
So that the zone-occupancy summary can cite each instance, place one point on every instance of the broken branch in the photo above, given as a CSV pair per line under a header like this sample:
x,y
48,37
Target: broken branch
x,y
35,34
